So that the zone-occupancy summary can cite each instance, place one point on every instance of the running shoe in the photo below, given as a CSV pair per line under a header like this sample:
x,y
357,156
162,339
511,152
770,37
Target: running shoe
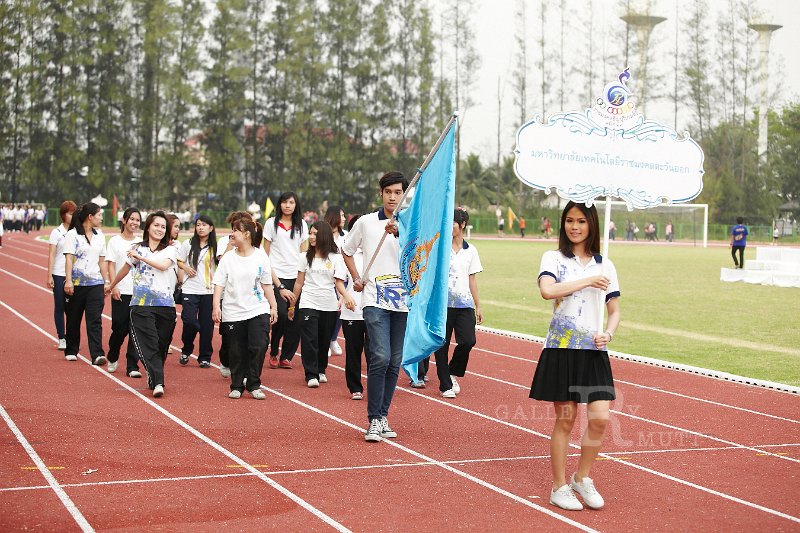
x,y
323,378
357,396
335,348
456,386
62,344
565,498
373,433
134,374
386,431
235,394
587,492
224,371
313,383
112,367
99,361
205,364
258,394
417,384
285,363
158,391
273,361
450,393
184,359
71,357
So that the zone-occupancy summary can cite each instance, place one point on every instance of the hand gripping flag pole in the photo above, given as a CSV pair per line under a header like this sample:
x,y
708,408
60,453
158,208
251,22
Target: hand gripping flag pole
x,y
414,181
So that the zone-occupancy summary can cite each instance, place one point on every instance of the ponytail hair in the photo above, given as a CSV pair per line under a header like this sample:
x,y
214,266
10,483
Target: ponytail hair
x,y
79,217
256,230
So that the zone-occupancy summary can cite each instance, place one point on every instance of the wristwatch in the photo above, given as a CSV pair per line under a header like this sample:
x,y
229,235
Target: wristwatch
x,y
281,287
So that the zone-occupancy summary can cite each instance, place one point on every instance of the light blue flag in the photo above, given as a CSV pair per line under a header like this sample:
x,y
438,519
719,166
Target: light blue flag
x,y
426,234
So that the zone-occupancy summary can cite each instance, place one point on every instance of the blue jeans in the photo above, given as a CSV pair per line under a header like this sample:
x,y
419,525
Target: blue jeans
x,y
386,330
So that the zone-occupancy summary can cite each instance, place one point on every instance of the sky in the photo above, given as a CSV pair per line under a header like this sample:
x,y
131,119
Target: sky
x,y
494,22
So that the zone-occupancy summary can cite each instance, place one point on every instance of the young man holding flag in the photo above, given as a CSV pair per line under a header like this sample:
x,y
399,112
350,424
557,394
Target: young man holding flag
x,y
383,301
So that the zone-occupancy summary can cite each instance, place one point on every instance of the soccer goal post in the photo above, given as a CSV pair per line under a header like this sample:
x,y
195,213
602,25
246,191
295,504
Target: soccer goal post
x,y
687,222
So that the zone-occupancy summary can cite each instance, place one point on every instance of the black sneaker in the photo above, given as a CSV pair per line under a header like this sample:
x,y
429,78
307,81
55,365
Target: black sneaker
x,y
184,359
205,364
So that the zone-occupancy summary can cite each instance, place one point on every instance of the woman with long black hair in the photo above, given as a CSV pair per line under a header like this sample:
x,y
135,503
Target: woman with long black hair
x,y
152,307
285,236
84,252
321,274
198,260
116,257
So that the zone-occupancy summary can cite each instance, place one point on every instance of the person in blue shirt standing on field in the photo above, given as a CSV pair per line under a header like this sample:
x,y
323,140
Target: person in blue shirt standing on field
x,y
739,235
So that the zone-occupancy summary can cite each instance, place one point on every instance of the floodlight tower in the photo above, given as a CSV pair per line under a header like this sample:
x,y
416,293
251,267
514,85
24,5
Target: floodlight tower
x,y
764,36
644,25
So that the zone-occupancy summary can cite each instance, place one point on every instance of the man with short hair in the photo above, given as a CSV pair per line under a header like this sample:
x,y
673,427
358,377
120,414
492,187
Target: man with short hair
x,y
383,301
739,235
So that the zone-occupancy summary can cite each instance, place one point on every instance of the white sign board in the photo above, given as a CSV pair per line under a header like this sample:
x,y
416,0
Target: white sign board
x,y
610,150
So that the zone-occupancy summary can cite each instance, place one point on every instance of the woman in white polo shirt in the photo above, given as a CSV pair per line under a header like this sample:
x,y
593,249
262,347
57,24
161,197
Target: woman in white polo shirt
x,y
463,310
116,258
321,274
244,306
84,251
55,269
573,367
285,236
152,306
356,340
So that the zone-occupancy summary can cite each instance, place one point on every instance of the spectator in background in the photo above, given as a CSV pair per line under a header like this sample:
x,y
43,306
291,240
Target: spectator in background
x,y
612,230
669,232
522,224
739,235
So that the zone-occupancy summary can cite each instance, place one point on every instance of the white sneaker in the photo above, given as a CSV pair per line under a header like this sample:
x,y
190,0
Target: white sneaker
x,y
313,383
134,374
258,394
112,367
587,492
62,344
158,391
71,357
357,396
450,393
335,348
456,386
386,431
373,434
323,378
100,361
224,371
565,498
235,394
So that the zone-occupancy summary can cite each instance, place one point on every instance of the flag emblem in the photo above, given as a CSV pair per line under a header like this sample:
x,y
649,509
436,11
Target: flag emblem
x,y
416,258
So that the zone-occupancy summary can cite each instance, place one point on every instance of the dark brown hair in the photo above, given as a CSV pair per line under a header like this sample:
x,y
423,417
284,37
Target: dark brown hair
x,y
333,216
592,241
164,242
325,244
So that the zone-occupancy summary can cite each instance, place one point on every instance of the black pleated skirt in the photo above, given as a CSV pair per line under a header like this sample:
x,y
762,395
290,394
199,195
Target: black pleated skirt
x,y
567,375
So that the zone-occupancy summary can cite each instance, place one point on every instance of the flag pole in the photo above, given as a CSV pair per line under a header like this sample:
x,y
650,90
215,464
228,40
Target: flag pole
x,y
414,181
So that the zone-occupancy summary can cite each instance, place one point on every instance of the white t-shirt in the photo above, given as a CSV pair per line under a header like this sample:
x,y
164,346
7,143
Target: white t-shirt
x,y
575,317
200,283
153,287
86,267
222,245
57,238
242,276
338,239
384,288
462,265
319,287
283,249
347,314
117,252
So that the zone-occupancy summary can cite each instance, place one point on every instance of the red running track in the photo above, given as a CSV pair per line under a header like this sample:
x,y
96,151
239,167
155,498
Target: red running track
x,y
683,451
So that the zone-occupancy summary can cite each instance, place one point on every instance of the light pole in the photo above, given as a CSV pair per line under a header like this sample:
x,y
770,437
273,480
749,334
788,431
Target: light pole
x,y
764,36
644,25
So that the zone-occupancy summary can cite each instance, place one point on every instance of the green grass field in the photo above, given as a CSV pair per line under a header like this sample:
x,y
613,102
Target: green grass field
x,y
674,307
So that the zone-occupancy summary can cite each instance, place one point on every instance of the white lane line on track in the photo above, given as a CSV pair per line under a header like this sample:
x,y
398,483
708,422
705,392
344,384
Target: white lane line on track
x,y
51,480
605,455
517,358
647,420
365,467
527,430
279,487
227,453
